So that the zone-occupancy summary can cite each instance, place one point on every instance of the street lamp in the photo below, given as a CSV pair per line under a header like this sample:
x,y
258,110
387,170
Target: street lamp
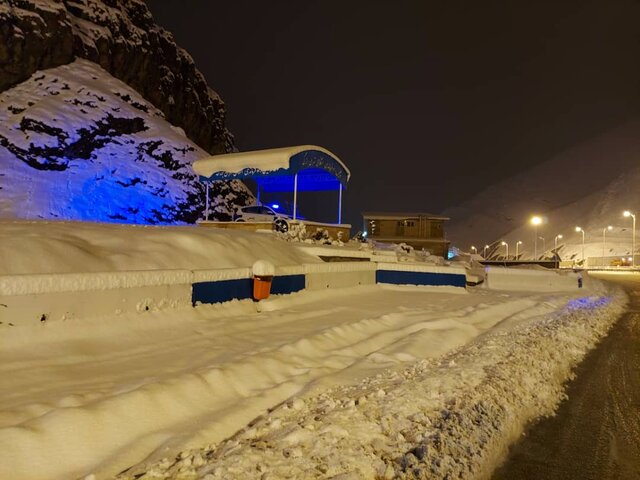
x,y
485,251
627,213
518,243
535,221
604,239
555,242
507,246
474,249
578,229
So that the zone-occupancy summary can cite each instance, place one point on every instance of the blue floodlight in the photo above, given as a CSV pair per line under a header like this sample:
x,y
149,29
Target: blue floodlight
x,y
275,206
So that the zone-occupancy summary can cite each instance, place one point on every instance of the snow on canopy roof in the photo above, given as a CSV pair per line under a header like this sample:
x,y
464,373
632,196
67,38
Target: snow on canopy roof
x,y
268,167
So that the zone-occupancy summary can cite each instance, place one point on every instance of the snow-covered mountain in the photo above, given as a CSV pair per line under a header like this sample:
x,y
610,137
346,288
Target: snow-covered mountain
x,y
589,185
77,143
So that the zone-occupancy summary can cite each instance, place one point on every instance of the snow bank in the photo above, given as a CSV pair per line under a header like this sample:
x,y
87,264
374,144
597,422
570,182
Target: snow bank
x,y
74,247
86,396
420,267
447,417
500,278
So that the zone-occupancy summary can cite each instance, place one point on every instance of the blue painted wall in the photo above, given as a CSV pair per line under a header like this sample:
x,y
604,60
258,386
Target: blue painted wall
x,y
222,291
420,278
287,284
225,290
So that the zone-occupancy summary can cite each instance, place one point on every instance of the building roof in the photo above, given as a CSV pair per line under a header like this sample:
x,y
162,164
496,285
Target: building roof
x,y
402,215
274,168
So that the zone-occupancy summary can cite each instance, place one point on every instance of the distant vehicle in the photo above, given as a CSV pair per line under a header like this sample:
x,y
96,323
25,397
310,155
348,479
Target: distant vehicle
x,y
262,213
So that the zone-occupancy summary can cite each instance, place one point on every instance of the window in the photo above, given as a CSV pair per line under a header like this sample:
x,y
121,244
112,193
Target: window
x,y
406,223
266,211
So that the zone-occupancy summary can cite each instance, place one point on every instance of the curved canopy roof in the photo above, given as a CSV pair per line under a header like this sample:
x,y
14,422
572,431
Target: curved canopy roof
x,y
275,168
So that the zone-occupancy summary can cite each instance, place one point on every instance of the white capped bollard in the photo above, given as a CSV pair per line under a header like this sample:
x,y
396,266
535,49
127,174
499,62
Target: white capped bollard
x,y
263,272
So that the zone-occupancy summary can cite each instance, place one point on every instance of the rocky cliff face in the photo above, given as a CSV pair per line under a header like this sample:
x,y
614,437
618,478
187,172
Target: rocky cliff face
x,y
121,37
102,116
78,144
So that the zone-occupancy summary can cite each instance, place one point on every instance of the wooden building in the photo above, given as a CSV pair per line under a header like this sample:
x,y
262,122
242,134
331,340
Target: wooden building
x,y
420,230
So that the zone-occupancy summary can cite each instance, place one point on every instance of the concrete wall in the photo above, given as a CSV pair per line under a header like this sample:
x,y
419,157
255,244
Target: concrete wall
x,y
34,299
37,308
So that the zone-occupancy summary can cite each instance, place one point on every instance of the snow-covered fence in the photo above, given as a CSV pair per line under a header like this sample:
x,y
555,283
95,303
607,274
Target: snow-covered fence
x,y
209,287
42,298
415,274
501,278
339,275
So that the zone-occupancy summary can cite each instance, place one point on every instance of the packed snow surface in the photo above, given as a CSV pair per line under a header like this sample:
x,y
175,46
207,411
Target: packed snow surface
x,y
82,397
371,381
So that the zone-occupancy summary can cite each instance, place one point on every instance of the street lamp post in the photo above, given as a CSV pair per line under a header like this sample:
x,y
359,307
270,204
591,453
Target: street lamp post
x,y
474,249
485,251
555,242
627,213
579,229
507,246
544,245
518,243
535,221
604,239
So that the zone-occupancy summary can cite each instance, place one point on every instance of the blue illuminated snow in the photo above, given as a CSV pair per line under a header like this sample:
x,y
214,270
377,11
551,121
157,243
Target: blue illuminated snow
x,y
588,303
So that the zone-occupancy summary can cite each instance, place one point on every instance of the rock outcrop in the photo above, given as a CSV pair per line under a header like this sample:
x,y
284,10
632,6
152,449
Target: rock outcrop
x,y
121,37
78,144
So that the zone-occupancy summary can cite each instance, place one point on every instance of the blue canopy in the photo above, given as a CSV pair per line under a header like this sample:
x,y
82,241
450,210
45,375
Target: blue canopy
x,y
275,170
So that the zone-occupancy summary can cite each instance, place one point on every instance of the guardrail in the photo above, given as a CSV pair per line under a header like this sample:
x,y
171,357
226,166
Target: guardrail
x,y
41,298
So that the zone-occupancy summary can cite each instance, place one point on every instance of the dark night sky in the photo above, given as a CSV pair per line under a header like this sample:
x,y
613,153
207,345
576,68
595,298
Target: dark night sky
x,y
426,102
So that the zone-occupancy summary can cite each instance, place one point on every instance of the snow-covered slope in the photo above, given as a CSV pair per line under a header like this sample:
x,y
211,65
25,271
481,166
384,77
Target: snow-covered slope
x,y
77,247
77,144
589,186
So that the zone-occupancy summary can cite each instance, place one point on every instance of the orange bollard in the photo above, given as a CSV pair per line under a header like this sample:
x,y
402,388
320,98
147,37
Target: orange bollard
x,y
261,286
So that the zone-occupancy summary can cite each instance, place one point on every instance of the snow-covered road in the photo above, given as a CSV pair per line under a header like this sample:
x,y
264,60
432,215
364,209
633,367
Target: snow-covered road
x,y
98,396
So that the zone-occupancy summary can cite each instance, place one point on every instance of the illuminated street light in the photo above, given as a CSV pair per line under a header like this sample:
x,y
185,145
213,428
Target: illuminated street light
x,y
627,213
544,245
474,249
555,242
507,246
578,229
518,243
535,221
604,238
485,251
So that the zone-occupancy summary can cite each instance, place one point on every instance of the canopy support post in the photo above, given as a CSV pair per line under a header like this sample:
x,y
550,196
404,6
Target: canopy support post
x,y
206,210
295,196
258,199
340,205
